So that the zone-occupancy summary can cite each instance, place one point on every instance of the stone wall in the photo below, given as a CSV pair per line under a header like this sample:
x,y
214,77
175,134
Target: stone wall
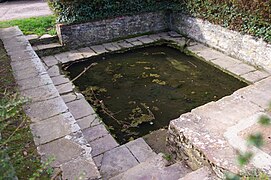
x,y
107,30
243,47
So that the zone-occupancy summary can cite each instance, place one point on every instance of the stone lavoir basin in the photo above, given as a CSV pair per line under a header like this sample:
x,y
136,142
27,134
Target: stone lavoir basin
x,y
141,90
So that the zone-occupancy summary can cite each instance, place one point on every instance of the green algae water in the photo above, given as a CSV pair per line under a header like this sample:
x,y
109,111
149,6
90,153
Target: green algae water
x,y
140,91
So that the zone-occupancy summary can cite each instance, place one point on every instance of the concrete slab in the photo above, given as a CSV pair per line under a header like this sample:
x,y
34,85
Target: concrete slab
x,y
117,161
145,39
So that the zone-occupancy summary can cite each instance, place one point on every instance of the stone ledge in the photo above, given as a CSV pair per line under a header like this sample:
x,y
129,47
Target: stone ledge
x,y
54,129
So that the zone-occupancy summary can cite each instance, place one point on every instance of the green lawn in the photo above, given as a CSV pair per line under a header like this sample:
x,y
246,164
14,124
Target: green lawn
x,y
35,25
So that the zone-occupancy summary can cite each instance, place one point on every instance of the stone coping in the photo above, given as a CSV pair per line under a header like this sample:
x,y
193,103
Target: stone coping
x,y
68,115
252,75
56,133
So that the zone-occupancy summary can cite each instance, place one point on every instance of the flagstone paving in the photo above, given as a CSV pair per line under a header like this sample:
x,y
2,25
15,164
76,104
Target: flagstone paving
x,y
66,126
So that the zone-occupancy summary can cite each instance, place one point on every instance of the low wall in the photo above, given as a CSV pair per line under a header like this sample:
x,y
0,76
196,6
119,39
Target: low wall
x,y
107,30
243,47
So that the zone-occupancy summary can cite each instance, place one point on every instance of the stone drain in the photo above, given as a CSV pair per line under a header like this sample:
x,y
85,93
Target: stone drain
x,y
65,125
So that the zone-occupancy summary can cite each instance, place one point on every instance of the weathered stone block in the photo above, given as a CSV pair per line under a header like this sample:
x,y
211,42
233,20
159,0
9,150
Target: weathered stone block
x,y
95,132
53,128
80,108
102,145
117,161
140,149
43,110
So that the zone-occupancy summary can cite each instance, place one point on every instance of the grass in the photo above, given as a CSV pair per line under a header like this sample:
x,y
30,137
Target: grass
x,y
16,138
36,25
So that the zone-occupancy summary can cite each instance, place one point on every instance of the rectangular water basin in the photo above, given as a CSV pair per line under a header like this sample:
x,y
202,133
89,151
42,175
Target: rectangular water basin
x,y
141,90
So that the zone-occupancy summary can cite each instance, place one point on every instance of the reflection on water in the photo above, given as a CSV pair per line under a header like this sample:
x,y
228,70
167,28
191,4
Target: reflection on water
x,y
142,90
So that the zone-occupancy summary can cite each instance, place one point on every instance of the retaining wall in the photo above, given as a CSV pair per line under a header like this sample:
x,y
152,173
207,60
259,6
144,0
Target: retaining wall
x,y
243,47
107,30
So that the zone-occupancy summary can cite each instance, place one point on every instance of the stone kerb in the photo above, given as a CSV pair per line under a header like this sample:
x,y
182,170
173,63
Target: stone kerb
x,y
56,133
243,47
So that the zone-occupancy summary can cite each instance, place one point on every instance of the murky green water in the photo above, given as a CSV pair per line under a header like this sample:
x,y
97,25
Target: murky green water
x,y
142,90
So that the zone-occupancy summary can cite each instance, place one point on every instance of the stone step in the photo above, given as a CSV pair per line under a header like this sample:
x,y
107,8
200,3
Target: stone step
x,y
213,133
45,39
154,168
119,159
203,173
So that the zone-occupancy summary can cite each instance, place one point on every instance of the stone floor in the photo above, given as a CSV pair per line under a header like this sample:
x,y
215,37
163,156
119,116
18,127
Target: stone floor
x,y
66,126
19,9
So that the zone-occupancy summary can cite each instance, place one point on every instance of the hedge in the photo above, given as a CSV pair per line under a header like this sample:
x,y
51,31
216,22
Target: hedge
x,y
246,16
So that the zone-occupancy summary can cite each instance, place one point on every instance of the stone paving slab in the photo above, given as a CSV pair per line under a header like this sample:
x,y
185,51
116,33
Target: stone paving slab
x,y
80,168
47,46
203,173
140,149
95,132
43,110
117,161
80,108
54,71
26,64
59,126
154,168
101,145
145,39
124,44
111,47
71,97
88,121
99,49
255,76
34,82
241,69
62,150
50,117
41,93
65,88
87,52
50,61
58,80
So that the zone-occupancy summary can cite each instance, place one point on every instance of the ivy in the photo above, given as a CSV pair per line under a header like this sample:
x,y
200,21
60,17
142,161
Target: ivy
x,y
246,16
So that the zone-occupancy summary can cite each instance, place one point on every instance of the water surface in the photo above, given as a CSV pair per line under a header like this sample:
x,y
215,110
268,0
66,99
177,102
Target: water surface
x,y
142,90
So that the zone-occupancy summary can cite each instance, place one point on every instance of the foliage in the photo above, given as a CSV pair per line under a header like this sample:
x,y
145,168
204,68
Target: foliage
x,y
36,25
247,16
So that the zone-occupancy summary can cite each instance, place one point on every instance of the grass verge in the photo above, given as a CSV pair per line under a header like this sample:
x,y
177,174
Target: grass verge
x,y
36,25
16,139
